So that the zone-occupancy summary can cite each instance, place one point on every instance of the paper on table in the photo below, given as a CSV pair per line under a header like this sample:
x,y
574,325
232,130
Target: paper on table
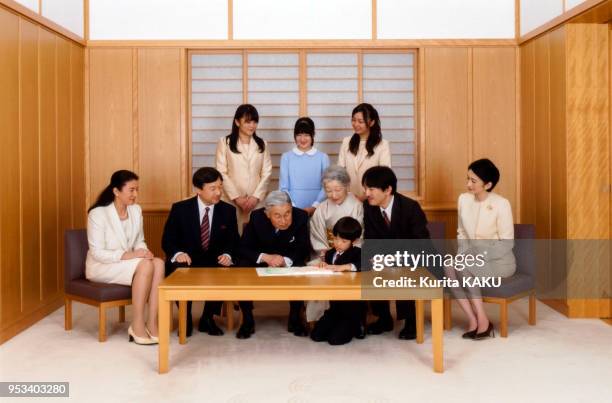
x,y
294,271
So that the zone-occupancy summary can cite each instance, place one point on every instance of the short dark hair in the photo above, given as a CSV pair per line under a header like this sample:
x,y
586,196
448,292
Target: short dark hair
x,y
486,170
304,125
347,228
205,175
380,177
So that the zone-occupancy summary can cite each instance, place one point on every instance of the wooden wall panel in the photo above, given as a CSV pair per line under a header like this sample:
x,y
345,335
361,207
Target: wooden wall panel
x,y
588,162
77,137
494,121
30,160
527,179
111,115
35,114
10,281
542,138
154,222
447,137
159,127
48,165
64,199
570,96
588,131
558,186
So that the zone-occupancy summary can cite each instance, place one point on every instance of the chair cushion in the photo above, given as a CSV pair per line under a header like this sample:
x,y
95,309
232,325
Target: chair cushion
x,y
101,292
515,284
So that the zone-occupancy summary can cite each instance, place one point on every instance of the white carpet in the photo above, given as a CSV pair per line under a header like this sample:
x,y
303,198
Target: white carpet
x,y
559,360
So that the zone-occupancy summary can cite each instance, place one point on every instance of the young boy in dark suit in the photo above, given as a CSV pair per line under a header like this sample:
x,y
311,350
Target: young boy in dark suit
x,y
343,320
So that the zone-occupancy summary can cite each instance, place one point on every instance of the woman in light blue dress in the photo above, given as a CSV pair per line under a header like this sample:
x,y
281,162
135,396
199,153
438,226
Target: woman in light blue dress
x,y
301,169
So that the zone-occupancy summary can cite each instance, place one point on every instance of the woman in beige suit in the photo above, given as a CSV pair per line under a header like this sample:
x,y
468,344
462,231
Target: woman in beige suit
x,y
365,148
485,228
244,161
118,253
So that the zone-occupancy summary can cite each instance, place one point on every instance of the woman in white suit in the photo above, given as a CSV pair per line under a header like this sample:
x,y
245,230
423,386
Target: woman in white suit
x,y
243,159
118,253
486,229
365,148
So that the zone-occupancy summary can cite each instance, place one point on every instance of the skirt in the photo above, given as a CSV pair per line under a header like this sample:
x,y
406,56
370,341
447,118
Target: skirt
x,y
111,273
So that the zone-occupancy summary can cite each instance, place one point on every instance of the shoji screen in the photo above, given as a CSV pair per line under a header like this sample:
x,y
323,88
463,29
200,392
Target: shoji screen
x,y
332,93
216,91
274,89
388,84
325,85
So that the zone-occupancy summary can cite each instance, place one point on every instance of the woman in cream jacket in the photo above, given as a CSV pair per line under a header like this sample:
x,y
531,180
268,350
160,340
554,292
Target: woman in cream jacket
x,y
118,253
365,148
485,229
243,159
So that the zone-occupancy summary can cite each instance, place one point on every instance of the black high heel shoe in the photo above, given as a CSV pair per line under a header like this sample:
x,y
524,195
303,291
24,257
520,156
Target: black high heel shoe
x,y
471,334
490,332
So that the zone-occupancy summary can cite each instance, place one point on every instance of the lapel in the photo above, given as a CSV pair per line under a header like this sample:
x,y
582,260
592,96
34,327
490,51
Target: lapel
x,y
360,157
113,218
217,220
194,219
396,218
246,151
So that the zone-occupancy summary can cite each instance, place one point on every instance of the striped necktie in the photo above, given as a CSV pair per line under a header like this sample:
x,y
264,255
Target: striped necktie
x,y
386,217
205,230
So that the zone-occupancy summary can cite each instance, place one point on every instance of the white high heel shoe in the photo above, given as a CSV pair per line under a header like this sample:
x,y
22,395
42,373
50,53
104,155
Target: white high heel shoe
x,y
145,341
154,338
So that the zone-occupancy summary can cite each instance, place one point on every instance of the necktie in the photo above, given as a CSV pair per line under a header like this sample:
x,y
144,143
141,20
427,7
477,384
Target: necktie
x,y
386,217
336,255
205,230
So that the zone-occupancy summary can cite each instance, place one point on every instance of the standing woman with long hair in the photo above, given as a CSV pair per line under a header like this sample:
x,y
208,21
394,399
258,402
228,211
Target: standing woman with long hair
x,y
365,148
244,161
118,253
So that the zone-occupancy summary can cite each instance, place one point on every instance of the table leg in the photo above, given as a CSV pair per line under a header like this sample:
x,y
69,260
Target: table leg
x,y
420,320
182,322
165,307
437,332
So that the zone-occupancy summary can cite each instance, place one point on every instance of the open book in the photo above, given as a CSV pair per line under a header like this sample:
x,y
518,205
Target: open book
x,y
294,271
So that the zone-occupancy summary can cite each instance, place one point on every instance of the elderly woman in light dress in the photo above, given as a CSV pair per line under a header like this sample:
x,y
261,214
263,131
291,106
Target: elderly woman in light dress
x,y
340,203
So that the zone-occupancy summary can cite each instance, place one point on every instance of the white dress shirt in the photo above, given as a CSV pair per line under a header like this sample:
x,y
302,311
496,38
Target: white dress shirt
x,y
388,209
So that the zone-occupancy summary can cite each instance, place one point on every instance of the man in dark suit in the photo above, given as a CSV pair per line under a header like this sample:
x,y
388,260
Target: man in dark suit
x,y
202,232
276,236
390,215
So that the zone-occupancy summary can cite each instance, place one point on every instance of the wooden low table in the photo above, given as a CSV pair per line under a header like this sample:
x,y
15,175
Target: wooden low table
x,y
243,284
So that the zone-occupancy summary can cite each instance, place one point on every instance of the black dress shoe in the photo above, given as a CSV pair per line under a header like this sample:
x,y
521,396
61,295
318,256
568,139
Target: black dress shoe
x,y
246,330
380,326
407,333
470,334
297,328
208,325
189,331
360,332
486,334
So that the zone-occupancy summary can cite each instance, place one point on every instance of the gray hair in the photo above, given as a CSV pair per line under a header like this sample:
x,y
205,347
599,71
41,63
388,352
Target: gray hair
x,y
276,198
336,173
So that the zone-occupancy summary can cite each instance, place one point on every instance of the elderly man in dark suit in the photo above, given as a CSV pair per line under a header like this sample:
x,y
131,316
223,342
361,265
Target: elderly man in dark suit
x,y
276,236
390,215
202,232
